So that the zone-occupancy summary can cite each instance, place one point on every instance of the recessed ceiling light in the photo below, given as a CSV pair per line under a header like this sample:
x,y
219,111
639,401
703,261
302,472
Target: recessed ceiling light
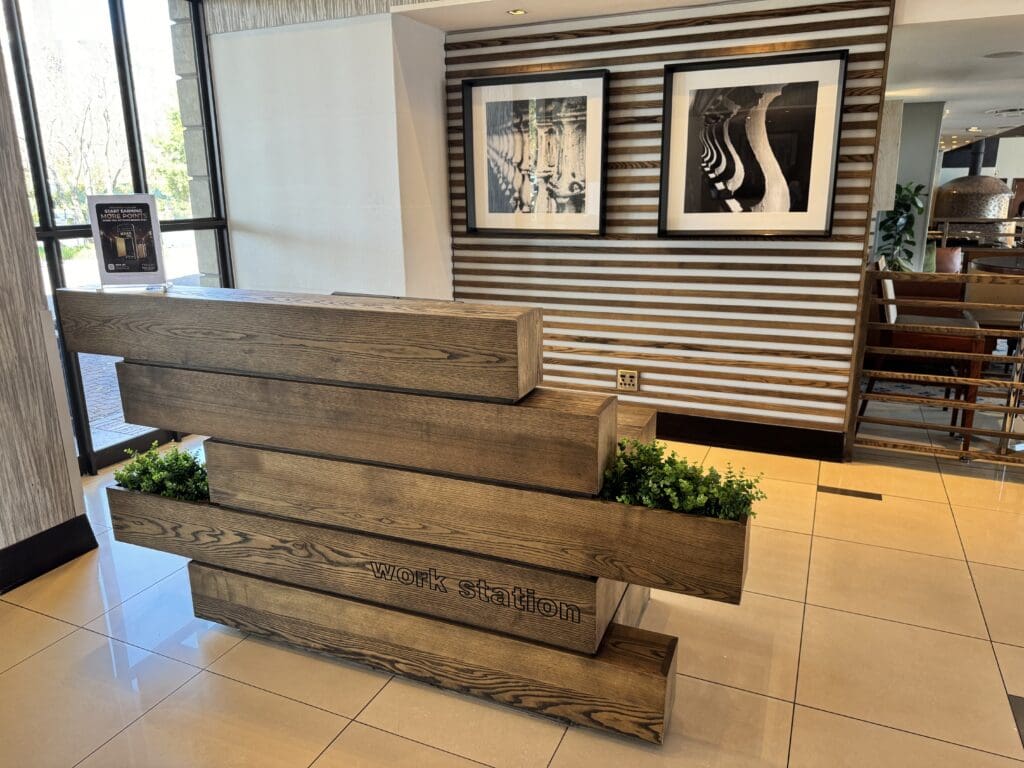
x,y
1004,54
1001,112
516,12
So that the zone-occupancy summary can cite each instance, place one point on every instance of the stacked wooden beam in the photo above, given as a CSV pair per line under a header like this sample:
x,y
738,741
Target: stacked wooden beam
x,y
389,484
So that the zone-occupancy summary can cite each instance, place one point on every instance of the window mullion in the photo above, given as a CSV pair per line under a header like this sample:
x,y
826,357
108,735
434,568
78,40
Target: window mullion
x,y
133,133
22,76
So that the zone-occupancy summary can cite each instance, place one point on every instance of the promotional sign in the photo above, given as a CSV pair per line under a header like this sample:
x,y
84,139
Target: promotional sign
x,y
126,231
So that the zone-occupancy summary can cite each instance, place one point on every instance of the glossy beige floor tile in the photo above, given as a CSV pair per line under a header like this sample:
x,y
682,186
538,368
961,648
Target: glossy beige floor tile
x,y
881,457
1001,591
896,522
59,705
913,480
789,506
692,452
987,486
161,619
1011,664
94,493
327,683
212,722
361,746
822,739
992,537
92,584
925,590
772,466
927,682
473,728
753,646
777,563
711,726
23,633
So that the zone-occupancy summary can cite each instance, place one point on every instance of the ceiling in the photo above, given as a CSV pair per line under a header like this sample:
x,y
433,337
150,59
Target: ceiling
x,y
457,15
945,61
937,55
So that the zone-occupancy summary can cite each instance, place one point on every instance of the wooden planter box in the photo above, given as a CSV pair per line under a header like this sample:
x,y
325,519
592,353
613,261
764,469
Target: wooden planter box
x,y
688,554
567,610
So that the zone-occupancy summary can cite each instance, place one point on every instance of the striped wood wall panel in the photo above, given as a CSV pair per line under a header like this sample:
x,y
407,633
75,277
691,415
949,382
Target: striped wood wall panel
x,y
758,330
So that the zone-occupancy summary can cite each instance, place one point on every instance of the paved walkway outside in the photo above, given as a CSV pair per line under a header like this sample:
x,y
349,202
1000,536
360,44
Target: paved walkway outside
x,y
106,420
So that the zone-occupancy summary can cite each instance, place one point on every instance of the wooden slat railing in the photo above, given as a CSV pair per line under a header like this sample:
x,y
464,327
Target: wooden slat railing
x,y
958,386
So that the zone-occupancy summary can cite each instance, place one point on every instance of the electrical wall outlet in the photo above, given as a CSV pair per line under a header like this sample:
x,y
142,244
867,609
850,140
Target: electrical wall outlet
x,y
627,381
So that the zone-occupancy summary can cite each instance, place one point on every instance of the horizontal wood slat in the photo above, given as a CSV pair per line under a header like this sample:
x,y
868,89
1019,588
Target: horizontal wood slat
x,y
986,278
555,608
627,688
722,52
923,378
667,550
932,427
652,377
767,30
663,306
940,402
805,285
553,438
946,330
478,351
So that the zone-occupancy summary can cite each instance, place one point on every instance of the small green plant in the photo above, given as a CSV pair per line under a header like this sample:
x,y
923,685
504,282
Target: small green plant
x,y
643,475
175,474
896,228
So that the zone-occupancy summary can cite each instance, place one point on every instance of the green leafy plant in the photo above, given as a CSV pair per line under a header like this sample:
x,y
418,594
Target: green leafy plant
x,y
643,475
175,474
896,228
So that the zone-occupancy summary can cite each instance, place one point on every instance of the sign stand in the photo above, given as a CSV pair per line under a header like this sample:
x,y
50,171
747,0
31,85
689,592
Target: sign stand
x,y
126,232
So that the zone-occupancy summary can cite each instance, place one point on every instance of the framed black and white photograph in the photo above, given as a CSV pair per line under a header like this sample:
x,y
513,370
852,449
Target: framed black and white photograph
x,y
750,146
535,149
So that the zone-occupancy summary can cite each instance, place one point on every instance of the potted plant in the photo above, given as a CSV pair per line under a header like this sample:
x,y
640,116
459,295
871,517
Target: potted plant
x,y
174,474
643,475
896,228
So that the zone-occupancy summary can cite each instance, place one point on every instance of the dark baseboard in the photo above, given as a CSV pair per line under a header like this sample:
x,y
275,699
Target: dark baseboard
x,y
45,551
747,436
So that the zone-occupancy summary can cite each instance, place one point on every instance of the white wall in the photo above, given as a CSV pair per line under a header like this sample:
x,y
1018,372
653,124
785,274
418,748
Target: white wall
x,y
422,157
919,158
308,135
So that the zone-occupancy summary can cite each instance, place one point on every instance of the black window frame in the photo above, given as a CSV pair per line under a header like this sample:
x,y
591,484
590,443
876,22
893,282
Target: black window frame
x,y
50,235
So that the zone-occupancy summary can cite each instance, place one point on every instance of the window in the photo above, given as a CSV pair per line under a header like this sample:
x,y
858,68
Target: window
x,y
114,97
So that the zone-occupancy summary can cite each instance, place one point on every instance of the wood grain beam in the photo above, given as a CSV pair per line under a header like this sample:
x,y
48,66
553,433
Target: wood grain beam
x,y
468,350
553,438
627,688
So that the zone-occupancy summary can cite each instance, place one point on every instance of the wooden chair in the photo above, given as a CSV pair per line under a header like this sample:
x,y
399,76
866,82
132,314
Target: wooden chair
x,y
896,338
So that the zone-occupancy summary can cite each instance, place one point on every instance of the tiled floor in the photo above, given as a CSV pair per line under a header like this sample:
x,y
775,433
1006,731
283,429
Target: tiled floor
x,y
875,632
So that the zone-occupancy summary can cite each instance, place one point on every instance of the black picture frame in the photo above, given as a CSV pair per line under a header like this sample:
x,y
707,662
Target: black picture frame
x,y
473,225
825,231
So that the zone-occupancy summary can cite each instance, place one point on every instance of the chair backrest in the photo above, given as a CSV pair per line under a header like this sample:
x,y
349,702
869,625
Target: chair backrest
x,y
888,292
949,259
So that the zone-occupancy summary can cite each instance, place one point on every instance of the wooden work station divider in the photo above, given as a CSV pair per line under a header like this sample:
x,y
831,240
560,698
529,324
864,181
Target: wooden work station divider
x,y
388,484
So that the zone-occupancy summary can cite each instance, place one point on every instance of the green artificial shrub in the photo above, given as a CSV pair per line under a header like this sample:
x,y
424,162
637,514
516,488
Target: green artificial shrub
x,y
175,474
643,475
